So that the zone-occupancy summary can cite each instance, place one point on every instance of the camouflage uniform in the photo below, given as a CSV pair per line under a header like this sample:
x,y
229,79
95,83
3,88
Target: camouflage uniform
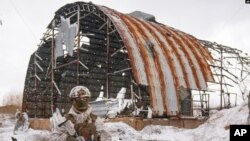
x,y
21,121
79,124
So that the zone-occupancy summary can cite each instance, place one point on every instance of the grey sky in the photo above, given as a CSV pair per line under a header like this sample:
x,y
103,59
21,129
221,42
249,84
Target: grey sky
x,y
24,22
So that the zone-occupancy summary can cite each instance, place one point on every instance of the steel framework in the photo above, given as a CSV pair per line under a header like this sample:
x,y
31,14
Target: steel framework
x,y
158,65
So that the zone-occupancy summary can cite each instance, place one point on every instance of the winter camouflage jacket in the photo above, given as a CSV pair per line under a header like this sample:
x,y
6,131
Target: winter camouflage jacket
x,y
78,126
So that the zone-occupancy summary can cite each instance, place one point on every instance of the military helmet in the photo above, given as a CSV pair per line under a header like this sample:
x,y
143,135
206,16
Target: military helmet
x,y
79,91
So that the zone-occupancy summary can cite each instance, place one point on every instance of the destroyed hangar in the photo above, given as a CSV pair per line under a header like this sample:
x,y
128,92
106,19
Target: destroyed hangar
x,y
105,50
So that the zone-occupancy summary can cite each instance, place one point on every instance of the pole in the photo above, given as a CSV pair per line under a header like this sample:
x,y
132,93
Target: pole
x,y
221,76
52,68
132,96
35,70
107,61
78,48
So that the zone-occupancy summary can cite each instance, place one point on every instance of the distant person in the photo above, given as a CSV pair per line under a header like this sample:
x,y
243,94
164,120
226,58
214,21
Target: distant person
x,y
21,121
79,124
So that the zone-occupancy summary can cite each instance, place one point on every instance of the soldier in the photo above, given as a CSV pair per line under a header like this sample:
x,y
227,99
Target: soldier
x,y
79,124
21,121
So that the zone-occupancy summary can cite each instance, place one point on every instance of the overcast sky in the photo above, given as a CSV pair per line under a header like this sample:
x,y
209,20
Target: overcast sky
x,y
23,23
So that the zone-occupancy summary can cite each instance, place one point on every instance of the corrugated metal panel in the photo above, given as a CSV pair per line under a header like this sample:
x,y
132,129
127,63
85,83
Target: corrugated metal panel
x,y
163,67
163,58
196,75
151,66
133,50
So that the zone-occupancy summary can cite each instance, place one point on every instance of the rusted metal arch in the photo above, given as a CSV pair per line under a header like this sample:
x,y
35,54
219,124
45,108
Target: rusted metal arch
x,y
128,26
202,62
162,58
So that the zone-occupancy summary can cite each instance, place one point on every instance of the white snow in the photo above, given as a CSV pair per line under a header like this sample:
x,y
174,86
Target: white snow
x,y
6,131
216,128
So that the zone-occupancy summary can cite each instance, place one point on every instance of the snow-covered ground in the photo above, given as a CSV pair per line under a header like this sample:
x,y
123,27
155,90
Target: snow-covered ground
x,y
216,128
7,127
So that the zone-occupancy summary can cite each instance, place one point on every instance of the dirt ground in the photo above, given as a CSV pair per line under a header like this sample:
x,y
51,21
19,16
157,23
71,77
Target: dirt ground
x,y
9,109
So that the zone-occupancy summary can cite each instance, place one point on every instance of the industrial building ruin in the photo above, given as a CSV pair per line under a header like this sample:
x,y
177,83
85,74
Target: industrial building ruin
x,y
155,65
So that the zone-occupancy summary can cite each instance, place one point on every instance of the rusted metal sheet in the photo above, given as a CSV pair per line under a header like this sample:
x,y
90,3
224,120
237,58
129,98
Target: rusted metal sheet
x,y
133,51
163,58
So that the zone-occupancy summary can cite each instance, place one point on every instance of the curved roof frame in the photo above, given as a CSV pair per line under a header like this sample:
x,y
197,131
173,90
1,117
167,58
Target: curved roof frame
x,y
174,60
161,57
